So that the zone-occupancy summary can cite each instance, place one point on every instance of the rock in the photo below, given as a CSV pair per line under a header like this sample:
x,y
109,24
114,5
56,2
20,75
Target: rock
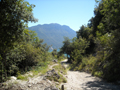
x,y
52,73
49,82
57,75
55,60
44,78
61,71
57,83
13,78
51,88
29,85
47,88
63,66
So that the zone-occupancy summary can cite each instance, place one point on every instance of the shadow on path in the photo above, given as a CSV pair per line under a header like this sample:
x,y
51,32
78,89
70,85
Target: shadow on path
x,y
100,85
85,81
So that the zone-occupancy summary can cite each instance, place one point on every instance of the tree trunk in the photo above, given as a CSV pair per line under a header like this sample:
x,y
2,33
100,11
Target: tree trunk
x,y
4,69
1,72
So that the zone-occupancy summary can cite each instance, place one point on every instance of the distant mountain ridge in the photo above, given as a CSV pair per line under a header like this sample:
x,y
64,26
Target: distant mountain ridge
x,y
53,34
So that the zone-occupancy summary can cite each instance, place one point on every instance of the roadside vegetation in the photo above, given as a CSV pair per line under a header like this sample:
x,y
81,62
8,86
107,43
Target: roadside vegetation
x,y
20,49
97,47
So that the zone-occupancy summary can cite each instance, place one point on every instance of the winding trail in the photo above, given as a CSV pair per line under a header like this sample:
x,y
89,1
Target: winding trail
x,y
83,81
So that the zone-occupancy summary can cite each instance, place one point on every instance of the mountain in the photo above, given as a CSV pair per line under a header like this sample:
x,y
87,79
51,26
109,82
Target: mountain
x,y
53,34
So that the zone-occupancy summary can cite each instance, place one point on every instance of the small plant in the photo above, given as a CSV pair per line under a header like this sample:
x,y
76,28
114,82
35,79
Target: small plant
x,y
61,68
61,71
99,74
64,80
40,69
21,77
54,78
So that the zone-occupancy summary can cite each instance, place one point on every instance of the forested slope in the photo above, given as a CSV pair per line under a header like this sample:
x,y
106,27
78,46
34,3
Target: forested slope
x,y
53,34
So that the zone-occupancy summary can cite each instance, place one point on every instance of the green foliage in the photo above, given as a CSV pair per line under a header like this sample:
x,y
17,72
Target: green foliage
x,y
86,32
79,49
100,39
60,68
67,48
108,42
54,52
20,49
14,13
99,73
28,53
21,77
86,64
13,18
89,63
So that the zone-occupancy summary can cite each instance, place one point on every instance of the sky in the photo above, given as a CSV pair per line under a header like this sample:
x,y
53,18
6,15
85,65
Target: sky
x,y
73,13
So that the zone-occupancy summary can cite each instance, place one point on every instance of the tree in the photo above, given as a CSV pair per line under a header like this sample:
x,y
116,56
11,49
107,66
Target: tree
x,y
54,52
79,48
106,32
67,48
110,24
14,15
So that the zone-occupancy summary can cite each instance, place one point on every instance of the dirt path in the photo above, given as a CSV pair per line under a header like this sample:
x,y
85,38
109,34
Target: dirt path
x,y
83,81
75,81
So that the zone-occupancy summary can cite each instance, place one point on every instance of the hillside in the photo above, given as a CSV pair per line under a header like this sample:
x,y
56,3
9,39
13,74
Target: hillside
x,y
53,34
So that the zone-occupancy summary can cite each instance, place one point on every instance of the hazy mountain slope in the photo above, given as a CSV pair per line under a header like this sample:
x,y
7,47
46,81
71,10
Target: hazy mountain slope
x,y
53,33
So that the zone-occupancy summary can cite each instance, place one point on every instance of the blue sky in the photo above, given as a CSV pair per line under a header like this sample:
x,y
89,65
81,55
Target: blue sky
x,y
73,13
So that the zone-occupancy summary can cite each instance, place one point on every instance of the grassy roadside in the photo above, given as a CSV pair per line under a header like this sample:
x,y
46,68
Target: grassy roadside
x,y
41,70
35,71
